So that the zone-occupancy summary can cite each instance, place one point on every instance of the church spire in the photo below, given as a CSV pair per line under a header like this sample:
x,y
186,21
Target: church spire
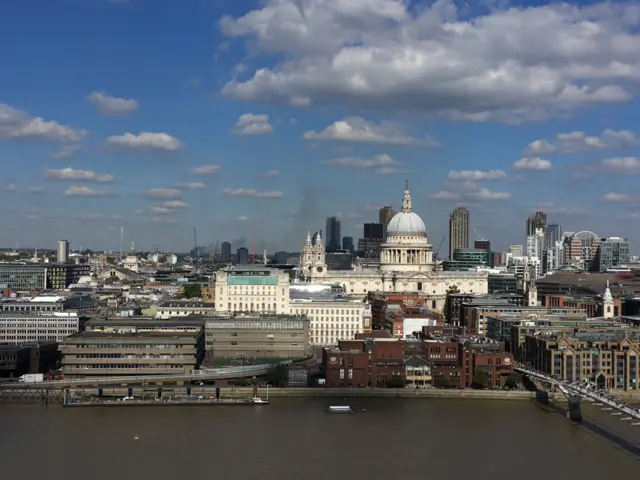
x,y
608,298
318,238
406,199
308,237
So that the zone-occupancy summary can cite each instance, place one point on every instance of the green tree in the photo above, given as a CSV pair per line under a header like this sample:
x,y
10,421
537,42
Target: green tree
x,y
448,307
444,383
513,381
395,383
192,290
480,378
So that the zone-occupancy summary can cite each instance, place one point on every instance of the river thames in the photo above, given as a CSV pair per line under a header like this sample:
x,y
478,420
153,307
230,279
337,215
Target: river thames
x,y
294,438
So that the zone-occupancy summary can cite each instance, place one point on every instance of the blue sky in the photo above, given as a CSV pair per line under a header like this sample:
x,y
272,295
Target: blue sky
x,y
159,115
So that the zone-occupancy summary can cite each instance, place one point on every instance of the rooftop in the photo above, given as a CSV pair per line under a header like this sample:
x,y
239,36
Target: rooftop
x,y
155,334
191,320
186,304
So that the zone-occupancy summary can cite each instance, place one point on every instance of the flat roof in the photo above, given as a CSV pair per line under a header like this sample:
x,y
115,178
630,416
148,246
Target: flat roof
x,y
137,335
186,304
190,320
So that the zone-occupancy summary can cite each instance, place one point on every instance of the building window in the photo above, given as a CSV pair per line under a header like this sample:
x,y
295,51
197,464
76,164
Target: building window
x,y
419,285
433,304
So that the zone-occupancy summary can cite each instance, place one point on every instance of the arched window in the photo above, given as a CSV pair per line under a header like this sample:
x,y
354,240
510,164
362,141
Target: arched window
x,y
433,304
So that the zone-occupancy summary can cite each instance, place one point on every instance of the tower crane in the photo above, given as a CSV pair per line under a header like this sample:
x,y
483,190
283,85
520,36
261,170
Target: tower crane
x,y
439,246
196,253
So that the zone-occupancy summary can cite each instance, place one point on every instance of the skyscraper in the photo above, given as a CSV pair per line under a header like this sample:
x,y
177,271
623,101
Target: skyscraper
x,y
539,220
63,251
385,214
333,235
225,252
458,230
552,235
347,243
242,255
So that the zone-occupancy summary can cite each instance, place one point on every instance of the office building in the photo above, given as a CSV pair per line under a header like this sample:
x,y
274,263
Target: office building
x,y
35,277
535,244
536,221
458,230
373,230
252,289
257,337
553,234
347,244
21,327
613,251
516,250
385,214
333,235
134,346
225,252
482,244
242,256
63,251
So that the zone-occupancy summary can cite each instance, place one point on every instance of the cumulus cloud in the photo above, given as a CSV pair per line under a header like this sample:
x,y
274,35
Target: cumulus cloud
x,y
356,129
476,175
154,210
252,124
242,218
535,163
579,142
72,175
270,173
169,193
205,170
145,141
512,64
192,186
18,125
108,105
616,197
380,164
175,204
629,165
467,191
77,191
250,192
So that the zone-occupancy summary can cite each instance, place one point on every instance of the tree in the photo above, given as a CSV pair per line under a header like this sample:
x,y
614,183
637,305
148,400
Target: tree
x,y
395,383
444,383
480,378
448,306
512,381
192,290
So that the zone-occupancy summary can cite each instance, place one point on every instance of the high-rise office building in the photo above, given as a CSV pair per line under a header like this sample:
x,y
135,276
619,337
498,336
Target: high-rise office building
x,y
373,230
385,214
614,251
225,253
347,243
539,220
516,250
333,235
63,251
482,244
458,230
242,255
535,244
552,235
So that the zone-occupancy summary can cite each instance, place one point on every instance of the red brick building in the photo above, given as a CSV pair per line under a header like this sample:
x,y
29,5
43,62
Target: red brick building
x,y
593,306
498,365
365,362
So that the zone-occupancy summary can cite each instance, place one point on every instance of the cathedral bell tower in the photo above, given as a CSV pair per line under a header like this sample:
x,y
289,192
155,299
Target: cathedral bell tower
x,y
312,260
608,309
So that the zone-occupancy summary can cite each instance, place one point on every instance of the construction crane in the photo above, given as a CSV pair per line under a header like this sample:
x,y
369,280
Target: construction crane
x,y
196,254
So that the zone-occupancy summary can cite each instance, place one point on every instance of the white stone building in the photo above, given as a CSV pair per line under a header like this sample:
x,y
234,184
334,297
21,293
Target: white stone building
x,y
19,327
406,264
252,289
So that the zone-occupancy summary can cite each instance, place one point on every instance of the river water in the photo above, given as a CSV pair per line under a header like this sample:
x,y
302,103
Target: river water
x,y
399,439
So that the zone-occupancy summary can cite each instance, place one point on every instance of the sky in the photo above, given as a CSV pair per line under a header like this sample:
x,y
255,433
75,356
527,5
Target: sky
x,y
265,117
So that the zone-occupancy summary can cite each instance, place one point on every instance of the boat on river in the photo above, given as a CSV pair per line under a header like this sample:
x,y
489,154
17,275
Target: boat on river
x,y
340,409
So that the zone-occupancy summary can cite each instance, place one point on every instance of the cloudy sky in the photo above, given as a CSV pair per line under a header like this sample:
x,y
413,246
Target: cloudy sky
x,y
158,115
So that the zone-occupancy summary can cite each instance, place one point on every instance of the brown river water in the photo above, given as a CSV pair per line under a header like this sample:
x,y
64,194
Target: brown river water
x,y
294,438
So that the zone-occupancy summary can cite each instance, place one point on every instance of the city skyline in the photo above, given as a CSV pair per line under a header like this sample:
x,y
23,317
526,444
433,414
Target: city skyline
x,y
214,120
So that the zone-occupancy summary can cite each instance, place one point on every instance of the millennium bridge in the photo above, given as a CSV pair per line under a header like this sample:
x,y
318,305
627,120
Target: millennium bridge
x,y
577,391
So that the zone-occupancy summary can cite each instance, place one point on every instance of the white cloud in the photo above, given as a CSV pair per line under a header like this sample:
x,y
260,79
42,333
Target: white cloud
x,y
83,191
552,209
70,174
34,190
169,193
629,165
250,192
192,185
380,164
510,64
154,210
271,173
145,141
535,163
485,194
476,175
445,195
242,218
205,170
252,124
175,204
467,190
108,105
66,151
161,220
356,129
579,142
18,125
616,197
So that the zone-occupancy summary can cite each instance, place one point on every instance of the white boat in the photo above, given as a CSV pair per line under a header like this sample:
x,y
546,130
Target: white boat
x,y
259,401
340,409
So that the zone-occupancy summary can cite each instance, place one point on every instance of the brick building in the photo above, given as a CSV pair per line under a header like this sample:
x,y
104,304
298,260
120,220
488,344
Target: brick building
x,y
592,305
375,361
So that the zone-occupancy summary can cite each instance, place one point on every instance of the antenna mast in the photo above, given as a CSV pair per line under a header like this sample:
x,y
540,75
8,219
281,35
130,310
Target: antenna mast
x,y
121,240
253,242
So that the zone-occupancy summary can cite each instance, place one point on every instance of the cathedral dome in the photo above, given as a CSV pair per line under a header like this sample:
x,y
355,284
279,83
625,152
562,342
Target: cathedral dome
x,y
406,223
